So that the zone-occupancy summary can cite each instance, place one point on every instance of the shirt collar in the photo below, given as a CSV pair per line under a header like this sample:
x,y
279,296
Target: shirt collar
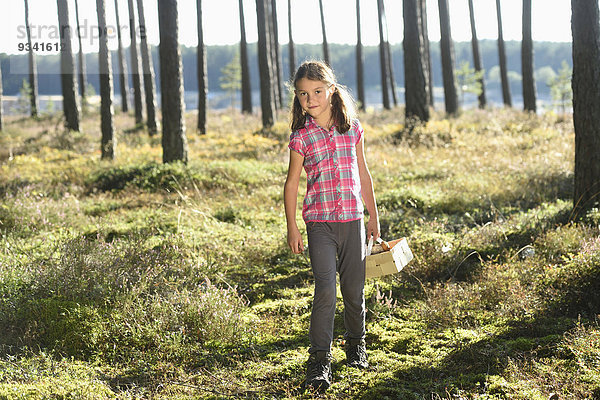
x,y
310,123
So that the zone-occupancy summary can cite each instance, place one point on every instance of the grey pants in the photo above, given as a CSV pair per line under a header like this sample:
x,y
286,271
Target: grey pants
x,y
336,247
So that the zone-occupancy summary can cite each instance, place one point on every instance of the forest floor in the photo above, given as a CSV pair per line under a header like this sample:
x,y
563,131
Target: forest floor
x,y
133,279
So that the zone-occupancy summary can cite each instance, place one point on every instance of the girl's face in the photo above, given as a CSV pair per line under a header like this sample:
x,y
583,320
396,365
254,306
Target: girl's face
x,y
315,98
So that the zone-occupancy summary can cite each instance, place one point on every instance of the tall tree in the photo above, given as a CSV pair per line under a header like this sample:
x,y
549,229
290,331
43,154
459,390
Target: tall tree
x,y
447,49
360,75
33,81
415,80
529,101
108,142
264,65
506,96
276,56
81,57
135,67
383,62
123,80
324,32
424,35
67,68
148,70
245,69
476,55
202,72
291,49
586,103
1,110
174,141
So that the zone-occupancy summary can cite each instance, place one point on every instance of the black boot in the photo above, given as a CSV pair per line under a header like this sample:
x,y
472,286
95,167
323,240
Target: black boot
x,y
356,353
318,371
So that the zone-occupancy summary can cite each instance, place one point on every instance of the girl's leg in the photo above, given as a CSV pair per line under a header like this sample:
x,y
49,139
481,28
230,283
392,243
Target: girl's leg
x,y
322,247
351,254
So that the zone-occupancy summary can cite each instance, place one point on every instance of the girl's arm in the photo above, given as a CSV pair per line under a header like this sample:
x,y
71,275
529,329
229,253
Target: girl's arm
x,y
368,194
290,199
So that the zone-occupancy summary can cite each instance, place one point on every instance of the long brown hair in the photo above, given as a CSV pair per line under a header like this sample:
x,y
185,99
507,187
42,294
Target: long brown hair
x,y
343,108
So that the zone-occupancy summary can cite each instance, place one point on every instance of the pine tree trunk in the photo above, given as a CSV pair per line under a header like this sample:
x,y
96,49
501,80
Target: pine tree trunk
x,y
174,141
390,66
276,55
123,80
148,70
108,143
324,32
264,66
586,104
476,55
291,49
33,81
447,49
202,72
424,36
82,73
67,69
1,108
415,82
506,96
245,69
360,79
529,98
135,67
383,63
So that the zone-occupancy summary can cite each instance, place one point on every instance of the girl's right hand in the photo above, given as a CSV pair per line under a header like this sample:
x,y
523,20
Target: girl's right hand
x,y
294,238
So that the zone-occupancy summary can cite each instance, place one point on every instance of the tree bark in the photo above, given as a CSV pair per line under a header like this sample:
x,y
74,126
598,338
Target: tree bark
x,y
174,141
383,62
67,68
276,55
82,74
324,32
264,66
586,104
476,55
33,79
148,70
447,49
424,35
529,98
108,142
415,82
123,80
291,49
245,69
506,96
135,67
360,80
202,72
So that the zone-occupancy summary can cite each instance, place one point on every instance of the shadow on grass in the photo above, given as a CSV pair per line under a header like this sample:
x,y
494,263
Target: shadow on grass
x,y
468,368
573,297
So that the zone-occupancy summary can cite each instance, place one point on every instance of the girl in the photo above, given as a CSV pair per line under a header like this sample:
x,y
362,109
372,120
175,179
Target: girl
x,y
327,140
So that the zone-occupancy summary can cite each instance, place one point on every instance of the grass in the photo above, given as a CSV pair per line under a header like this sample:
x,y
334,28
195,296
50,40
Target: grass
x,y
133,279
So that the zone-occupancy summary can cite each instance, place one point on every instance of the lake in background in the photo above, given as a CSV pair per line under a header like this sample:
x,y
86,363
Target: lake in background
x,y
14,105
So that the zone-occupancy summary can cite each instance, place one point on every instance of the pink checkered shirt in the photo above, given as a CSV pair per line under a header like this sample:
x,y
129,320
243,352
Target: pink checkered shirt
x,y
333,183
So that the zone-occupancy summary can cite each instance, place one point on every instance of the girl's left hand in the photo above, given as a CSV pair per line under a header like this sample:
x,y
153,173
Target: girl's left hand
x,y
373,228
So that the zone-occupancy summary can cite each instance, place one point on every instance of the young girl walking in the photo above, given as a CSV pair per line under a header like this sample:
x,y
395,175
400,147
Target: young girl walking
x,y
328,141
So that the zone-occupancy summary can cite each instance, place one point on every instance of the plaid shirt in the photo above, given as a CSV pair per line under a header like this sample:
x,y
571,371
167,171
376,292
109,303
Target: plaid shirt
x,y
333,183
